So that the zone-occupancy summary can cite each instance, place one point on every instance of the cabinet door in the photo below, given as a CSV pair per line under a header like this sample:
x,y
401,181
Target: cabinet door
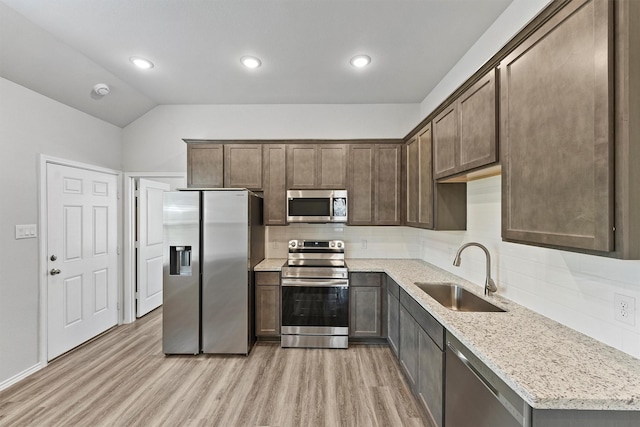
x,y
365,304
409,345
267,310
301,166
413,181
361,184
388,185
477,115
243,166
275,185
204,165
425,179
556,132
445,142
393,321
365,310
332,166
430,376
420,180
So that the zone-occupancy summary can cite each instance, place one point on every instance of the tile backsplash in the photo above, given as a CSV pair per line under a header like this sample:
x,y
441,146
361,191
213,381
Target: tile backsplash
x,y
360,242
574,289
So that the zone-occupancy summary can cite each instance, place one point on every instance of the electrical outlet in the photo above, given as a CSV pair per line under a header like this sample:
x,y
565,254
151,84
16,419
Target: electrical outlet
x,y
624,309
364,244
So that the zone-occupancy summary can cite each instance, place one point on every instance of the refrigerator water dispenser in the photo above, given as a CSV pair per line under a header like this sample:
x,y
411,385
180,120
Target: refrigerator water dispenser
x,y
180,260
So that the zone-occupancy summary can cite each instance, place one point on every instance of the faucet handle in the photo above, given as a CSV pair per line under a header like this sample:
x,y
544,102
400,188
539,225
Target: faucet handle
x,y
490,286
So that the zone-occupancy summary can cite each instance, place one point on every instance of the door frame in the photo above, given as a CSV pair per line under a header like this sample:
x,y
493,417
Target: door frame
x,y
43,161
129,261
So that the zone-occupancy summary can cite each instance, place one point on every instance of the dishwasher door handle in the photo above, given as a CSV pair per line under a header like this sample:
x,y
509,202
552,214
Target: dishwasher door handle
x,y
473,369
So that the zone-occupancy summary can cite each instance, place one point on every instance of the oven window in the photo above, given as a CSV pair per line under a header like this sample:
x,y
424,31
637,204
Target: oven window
x,y
309,207
315,306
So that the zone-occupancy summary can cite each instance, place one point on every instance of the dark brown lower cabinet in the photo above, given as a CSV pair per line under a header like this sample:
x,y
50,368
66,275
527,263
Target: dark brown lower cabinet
x,y
365,305
409,346
430,376
393,314
267,304
422,356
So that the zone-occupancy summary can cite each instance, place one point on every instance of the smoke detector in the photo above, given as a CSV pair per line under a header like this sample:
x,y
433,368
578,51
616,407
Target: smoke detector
x,y
101,89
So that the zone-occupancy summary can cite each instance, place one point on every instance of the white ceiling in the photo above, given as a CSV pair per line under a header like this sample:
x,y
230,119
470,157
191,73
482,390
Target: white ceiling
x,y
62,48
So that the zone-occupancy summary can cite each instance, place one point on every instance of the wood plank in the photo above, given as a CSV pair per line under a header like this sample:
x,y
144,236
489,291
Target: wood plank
x,y
122,378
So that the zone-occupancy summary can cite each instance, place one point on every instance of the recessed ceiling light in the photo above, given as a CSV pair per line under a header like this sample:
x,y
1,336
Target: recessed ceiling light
x,y
145,64
250,61
360,61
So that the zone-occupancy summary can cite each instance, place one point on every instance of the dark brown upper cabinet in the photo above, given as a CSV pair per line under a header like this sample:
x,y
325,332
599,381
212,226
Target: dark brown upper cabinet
x,y
464,133
204,165
212,165
374,184
556,124
431,205
243,166
275,184
420,180
316,166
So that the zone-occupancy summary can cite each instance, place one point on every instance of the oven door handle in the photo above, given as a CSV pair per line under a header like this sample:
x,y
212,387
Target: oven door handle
x,y
323,283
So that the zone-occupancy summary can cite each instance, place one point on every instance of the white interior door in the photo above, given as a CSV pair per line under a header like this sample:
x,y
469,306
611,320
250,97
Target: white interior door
x,y
149,246
82,256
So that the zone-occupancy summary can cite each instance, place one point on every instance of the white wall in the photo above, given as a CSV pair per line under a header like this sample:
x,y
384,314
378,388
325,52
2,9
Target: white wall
x,y
31,124
154,142
508,24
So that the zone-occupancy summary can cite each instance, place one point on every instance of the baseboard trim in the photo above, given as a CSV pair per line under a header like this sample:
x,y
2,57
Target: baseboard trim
x,y
22,375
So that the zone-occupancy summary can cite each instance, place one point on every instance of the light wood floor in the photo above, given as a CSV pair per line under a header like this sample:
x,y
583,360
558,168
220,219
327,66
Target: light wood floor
x,y
122,378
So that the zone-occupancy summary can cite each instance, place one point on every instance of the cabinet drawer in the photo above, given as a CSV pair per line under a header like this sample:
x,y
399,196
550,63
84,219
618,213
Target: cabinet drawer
x,y
268,278
431,326
366,279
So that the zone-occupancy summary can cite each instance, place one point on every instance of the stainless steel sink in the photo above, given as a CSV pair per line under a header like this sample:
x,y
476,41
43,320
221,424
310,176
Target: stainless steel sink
x,y
457,298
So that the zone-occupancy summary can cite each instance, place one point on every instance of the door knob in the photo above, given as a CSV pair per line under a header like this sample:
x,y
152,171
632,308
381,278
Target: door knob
x,y
55,271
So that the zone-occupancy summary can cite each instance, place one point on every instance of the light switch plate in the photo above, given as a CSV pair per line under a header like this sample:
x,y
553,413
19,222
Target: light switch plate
x,y
26,231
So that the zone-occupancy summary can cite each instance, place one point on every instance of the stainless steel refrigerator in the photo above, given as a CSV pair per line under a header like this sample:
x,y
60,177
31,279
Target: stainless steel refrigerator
x,y
213,240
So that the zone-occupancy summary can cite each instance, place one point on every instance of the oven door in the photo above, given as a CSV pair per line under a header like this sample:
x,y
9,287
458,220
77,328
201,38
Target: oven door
x,y
315,306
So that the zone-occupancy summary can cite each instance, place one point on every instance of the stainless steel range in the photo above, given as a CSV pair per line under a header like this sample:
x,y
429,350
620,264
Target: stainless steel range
x,y
315,295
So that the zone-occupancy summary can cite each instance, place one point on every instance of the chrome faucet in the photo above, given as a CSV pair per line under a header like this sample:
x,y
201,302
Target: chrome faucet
x,y
489,284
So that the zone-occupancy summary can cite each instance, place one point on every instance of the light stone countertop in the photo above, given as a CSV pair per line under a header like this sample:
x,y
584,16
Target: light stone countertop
x,y
548,364
271,264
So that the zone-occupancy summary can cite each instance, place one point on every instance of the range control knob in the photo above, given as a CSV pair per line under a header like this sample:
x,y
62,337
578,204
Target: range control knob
x,y
292,244
339,244
332,244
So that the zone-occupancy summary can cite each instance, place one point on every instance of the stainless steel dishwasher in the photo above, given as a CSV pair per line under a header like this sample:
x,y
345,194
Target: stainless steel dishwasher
x,y
475,396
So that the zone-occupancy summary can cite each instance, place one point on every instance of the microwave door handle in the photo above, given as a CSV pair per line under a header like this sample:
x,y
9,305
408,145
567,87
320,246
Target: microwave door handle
x,y
331,206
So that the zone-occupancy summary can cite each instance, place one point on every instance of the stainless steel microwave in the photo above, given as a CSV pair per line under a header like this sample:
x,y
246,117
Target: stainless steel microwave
x,y
317,206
